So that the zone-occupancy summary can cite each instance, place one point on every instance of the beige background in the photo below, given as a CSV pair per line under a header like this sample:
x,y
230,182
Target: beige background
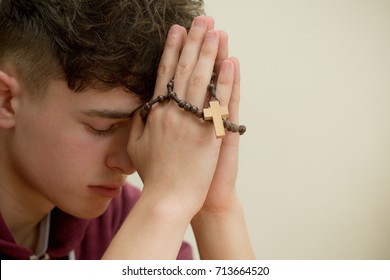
x,y
315,163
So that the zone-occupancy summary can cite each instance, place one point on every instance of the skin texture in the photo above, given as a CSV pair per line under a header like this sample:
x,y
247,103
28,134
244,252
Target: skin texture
x,y
94,139
57,136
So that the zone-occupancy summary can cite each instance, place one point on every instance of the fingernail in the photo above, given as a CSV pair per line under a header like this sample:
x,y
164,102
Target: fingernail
x,y
211,35
174,30
226,66
199,21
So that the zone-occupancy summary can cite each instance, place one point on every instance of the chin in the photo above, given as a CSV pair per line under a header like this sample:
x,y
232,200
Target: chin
x,y
89,211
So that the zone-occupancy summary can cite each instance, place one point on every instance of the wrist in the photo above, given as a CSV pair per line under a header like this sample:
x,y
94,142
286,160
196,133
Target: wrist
x,y
168,205
218,213
222,234
220,203
154,229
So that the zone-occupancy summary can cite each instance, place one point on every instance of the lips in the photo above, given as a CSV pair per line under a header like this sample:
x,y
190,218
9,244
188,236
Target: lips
x,y
106,190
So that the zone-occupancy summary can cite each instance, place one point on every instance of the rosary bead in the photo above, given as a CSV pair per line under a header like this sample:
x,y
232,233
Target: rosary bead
x,y
152,102
226,124
181,103
147,107
160,98
194,109
187,106
235,128
212,90
229,126
171,95
232,127
170,86
241,129
199,113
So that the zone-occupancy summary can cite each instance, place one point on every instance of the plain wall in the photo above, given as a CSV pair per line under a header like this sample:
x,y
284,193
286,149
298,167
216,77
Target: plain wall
x,y
314,173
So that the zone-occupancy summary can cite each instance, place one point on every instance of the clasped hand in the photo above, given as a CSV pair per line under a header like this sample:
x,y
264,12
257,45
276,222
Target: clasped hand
x,y
177,155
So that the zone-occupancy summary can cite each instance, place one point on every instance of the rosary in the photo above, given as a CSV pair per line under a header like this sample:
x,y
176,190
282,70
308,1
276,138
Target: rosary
x,y
215,112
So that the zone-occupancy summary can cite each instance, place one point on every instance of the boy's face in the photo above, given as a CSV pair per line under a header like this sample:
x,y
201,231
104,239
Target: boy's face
x,y
69,149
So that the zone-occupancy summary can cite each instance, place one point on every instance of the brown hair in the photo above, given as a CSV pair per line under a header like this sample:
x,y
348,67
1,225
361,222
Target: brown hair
x,y
91,43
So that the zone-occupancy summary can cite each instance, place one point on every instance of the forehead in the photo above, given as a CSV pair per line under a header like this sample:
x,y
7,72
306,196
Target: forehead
x,y
57,93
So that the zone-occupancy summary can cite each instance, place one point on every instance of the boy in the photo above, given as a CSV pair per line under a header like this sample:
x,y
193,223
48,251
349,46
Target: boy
x,y
73,74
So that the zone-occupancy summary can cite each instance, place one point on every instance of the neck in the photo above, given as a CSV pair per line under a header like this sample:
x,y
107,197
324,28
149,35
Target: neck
x,y
22,223
21,207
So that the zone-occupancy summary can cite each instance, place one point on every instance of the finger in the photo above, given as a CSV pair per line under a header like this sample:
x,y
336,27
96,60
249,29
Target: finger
x,y
200,78
198,97
210,22
225,83
235,95
190,54
223,50
168,62
167,66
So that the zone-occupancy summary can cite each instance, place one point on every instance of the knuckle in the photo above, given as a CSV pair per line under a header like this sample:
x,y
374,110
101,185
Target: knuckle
x,y
164,70
184,67
197,80
170,121
208,51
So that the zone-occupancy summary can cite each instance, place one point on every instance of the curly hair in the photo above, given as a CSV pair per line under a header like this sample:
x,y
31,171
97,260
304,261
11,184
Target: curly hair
x,y
98,44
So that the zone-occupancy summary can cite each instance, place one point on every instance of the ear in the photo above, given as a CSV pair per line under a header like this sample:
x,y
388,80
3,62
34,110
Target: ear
x,y
9,90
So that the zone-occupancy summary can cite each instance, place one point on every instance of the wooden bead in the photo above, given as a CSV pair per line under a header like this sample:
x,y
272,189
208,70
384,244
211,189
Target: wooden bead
x,y
187,106
194,109
225,123
199,113
212,90
147,107
181,103
241,129
170,86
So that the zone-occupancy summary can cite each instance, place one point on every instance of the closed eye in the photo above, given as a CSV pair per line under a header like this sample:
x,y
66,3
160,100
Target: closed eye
x,y
103,132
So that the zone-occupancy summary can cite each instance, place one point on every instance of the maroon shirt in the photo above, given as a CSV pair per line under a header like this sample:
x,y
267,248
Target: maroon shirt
x,y
88,239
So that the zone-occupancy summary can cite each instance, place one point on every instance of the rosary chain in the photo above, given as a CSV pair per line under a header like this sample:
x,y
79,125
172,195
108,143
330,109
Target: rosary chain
x,y
229,126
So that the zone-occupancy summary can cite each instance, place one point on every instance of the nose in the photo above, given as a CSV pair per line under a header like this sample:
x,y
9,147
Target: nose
x,y
120,161
118,158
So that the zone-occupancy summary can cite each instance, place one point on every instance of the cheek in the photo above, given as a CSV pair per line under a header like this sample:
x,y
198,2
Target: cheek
x,y
49,153
59,165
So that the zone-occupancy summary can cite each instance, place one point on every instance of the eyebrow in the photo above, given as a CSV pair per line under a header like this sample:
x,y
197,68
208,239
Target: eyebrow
x,y
108,114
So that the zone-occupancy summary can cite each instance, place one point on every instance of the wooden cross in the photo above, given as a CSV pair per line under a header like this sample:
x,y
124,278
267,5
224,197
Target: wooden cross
x,y
216,113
